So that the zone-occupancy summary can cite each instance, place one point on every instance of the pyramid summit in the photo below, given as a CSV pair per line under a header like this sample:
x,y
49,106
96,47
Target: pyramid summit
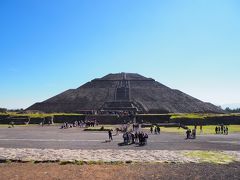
x,y
128,92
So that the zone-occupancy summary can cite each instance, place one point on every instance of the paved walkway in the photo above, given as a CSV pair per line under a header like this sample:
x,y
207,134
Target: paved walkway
x,y
35,143
37,137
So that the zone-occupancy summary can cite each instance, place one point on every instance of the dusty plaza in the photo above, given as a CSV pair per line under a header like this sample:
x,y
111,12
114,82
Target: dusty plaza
x,y
49,152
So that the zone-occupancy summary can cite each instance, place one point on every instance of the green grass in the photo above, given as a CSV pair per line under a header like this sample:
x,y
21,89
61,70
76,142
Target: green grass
x,y
210,129
173,130
39,115
188,116
200,116
169,129
211,157
173,116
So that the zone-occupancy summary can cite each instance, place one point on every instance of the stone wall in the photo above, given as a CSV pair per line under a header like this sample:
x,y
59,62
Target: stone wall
x,y
114,119
227,120
153,119
68,118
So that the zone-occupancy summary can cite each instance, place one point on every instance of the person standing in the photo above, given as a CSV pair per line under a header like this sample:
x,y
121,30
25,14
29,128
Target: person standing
x,y
216,130
188,132
158,129
12,123
201,129
151,129
110,135
226,130
194,133
133,138
222,128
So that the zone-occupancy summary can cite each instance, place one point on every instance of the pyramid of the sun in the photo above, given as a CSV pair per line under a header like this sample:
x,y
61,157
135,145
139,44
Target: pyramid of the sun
x,y
125,91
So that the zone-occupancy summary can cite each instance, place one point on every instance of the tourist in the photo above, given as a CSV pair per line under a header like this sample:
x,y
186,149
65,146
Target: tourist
x,y
125,138
155,130
222,128
140,137
151,129
129,137
226,130
216,130
188,132
136,137
12,124
194,133
158,130
145,138
133,138
201,129
110,134
219,130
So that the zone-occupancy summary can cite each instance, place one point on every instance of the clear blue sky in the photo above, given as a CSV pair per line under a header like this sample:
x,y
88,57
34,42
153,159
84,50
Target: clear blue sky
x,y
49,46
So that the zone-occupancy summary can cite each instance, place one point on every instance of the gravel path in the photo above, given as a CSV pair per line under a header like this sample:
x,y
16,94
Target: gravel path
x,y
109,155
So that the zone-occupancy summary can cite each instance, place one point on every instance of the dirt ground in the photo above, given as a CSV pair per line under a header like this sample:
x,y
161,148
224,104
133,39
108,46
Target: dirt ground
x,y
20,171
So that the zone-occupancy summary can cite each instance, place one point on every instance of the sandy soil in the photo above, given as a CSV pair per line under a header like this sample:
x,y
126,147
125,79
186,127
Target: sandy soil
x,y
21,171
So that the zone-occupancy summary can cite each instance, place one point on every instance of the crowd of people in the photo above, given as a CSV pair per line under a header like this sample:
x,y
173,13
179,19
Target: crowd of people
x,y
108,112
191,134
156,129
119,113
221,130
81,124
135,138
131,134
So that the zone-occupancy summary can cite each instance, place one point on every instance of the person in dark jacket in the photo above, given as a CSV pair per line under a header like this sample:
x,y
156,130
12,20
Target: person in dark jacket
x,y
110,135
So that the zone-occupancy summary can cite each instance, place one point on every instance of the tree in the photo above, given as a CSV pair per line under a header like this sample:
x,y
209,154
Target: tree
x,y
3,110
237,110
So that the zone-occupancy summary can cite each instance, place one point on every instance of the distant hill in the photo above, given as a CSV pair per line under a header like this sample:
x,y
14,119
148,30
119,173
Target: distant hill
x,y
125,91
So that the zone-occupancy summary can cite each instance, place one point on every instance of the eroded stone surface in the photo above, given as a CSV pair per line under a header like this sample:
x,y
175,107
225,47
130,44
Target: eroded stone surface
x,y
108,155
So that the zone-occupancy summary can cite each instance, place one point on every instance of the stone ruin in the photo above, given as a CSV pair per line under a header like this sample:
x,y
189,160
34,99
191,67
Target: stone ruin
x,y
124,92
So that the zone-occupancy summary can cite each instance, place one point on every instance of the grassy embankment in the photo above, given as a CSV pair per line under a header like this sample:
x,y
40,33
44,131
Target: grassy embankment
x,y
200,116
209,129
38,115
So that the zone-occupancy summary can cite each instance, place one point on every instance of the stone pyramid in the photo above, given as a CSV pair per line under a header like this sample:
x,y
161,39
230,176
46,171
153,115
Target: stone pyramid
x,y
127,92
